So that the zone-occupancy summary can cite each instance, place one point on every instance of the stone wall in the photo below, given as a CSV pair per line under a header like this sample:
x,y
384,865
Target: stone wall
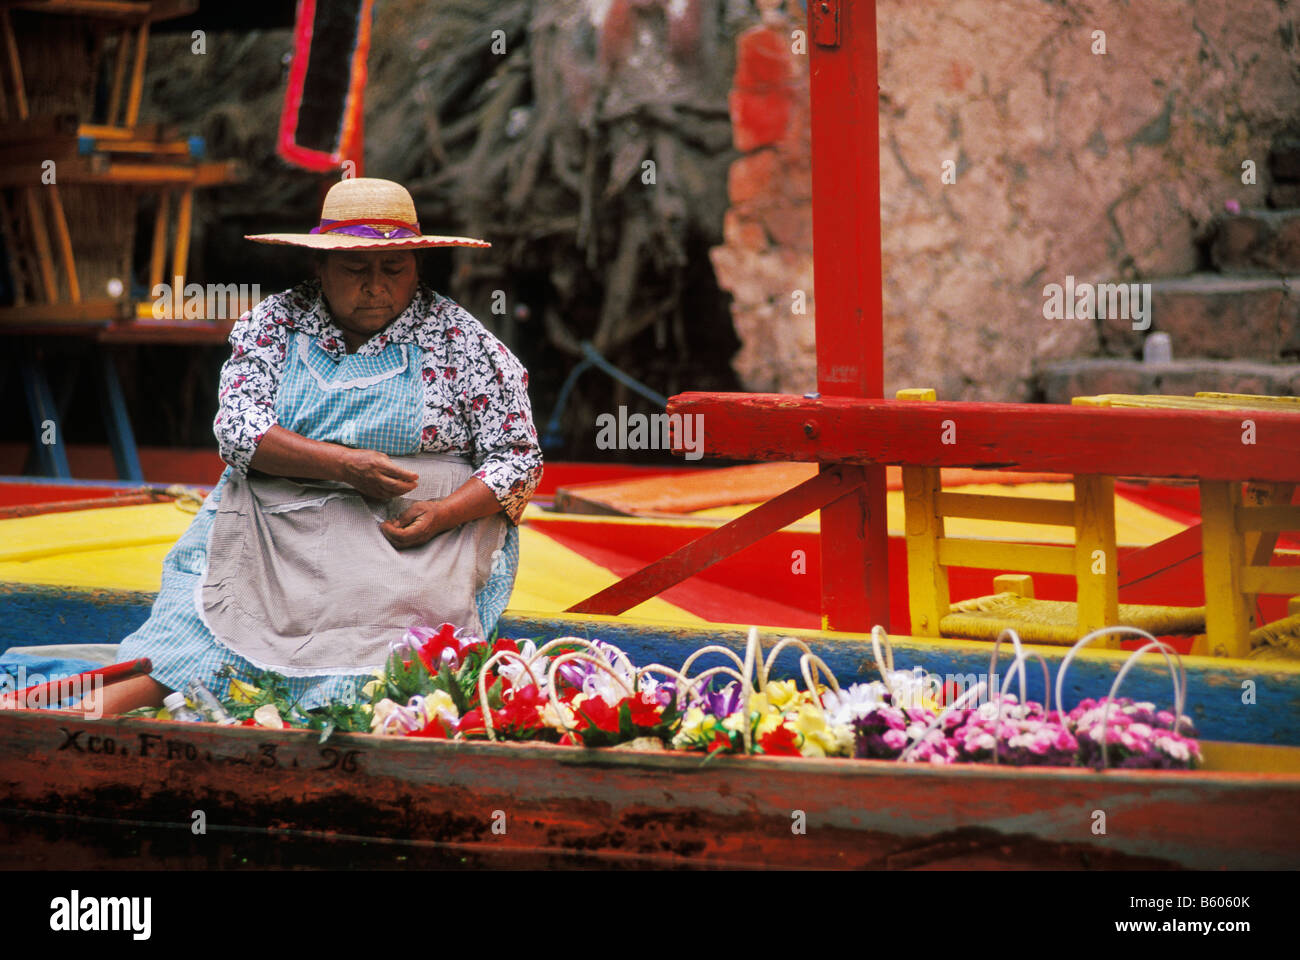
x,y
1067,160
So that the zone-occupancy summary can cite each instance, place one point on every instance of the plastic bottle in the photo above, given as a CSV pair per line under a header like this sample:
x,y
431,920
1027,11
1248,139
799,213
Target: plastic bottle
x,y
208,703
181,711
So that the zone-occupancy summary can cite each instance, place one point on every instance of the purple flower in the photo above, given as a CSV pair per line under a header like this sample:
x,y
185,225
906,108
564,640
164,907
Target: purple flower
x,y
666,693
721,703
885,731
574,672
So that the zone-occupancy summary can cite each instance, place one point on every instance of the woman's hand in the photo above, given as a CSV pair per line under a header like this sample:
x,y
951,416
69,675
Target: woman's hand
x,y
417,525
374,474
283,453
424,520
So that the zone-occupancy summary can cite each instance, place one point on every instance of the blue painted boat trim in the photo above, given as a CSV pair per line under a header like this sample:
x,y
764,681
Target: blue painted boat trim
x,y
1217,689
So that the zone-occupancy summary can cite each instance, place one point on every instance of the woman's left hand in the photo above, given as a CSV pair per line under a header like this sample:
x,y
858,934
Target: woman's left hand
x,y
417,525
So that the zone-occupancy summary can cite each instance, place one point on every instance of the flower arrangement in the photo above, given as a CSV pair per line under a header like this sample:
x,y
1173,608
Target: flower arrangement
x,y
1136,734
441,684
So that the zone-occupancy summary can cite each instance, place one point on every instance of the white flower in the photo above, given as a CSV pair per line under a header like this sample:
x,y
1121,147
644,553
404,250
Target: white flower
x,y
514,671
383,710
853,703
601,684
1175,748
908,687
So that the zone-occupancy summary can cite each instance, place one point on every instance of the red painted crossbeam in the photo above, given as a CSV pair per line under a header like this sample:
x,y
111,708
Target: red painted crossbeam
x,y
1125,442
827,487
1160,556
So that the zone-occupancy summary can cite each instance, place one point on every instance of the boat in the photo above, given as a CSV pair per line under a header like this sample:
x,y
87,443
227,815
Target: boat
x,y
653,806
665,808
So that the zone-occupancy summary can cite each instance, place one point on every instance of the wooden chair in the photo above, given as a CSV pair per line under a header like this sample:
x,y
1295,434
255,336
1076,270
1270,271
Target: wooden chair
x,y
1091,560
1240,522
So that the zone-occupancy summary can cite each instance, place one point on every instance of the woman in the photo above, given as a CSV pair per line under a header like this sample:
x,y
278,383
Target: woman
x,y
381,450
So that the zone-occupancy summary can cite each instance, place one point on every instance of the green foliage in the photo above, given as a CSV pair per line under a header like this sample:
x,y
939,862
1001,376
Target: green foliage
x,y
273,689
404,679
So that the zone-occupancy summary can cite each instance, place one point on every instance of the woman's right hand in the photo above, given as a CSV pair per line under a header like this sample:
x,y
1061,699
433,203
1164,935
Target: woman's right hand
x,y
373,474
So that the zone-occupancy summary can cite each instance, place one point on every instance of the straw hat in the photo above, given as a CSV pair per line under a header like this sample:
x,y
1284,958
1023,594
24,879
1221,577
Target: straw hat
x,y
363,213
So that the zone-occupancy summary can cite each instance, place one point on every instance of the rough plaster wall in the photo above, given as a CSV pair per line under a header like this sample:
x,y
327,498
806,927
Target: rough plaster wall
x,y
1068,162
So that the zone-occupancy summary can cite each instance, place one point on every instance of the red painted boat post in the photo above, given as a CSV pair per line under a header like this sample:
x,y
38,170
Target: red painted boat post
x,y
55,691
847,272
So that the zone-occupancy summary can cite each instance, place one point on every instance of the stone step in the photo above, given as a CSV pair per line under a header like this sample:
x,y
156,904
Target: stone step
x,y
1060,382
1258,241
1212,315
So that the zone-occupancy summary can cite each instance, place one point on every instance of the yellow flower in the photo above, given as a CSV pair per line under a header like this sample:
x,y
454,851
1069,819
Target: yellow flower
x,y
768,722
242,692
562,719
819,739
782,693
369,689
693,722
440,705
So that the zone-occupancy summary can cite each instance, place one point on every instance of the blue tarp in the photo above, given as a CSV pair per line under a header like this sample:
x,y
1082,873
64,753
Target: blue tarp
x,y
18,671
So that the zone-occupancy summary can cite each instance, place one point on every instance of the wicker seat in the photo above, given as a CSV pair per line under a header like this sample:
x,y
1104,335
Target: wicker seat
x,y
1279,640
1057,621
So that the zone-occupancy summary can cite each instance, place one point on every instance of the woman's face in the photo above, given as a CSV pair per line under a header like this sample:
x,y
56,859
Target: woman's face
x,y
367,290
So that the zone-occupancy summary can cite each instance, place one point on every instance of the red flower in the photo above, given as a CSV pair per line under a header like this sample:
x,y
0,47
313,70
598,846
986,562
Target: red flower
x,y
471,722
505,643
721,743
520,714
434,730
432,652
644,714
779,742
522,711
597,713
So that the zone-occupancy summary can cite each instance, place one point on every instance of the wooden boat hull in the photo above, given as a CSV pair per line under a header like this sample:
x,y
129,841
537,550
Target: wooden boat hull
x,y
656,808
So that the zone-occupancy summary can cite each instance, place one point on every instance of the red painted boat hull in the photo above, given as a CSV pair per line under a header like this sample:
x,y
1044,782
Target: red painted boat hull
x,y
662,807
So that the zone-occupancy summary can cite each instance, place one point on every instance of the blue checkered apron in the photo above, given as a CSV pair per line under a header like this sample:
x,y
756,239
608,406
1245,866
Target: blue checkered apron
x,y
374,402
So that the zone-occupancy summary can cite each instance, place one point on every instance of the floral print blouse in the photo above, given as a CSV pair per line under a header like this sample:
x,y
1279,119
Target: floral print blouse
x,y
475,390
